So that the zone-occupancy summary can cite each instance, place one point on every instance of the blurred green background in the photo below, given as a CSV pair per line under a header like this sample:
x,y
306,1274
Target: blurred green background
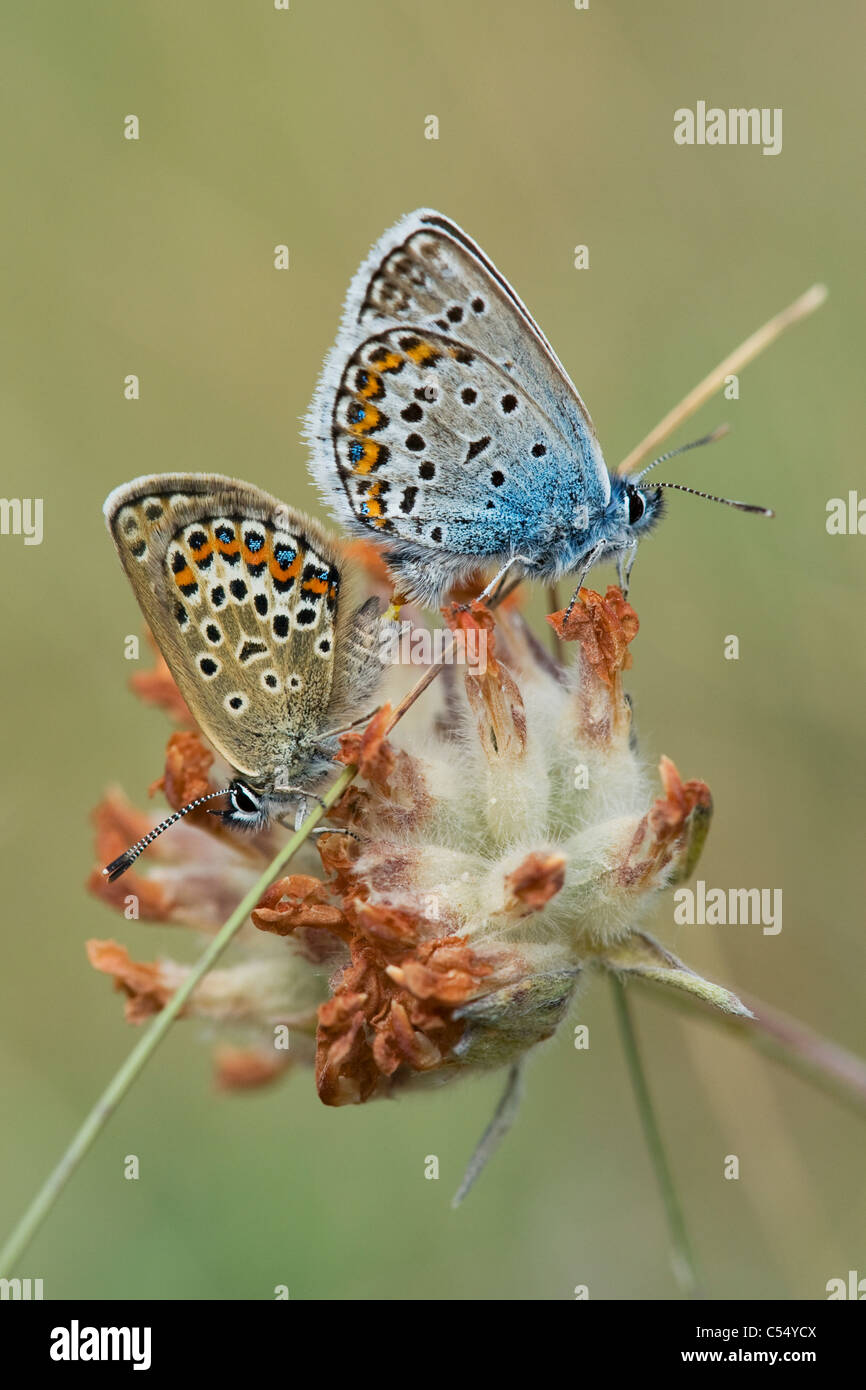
x,y
556,128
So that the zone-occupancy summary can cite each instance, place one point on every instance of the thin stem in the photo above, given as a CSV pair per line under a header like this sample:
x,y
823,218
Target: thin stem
x,y
554,606
682,1257
503,1118
156,1031
733,363
141,1054
824,1064
421,685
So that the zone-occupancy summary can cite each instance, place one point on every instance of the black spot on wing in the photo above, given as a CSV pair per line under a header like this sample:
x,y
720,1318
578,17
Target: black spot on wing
x,y
476,447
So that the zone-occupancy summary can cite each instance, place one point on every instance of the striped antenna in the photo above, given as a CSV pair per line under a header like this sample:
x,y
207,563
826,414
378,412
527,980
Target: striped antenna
x,y
718,433
124,861
728,501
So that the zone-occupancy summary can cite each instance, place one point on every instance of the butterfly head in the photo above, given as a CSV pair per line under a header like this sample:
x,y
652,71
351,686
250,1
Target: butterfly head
x,y
246,808
635,506
634,510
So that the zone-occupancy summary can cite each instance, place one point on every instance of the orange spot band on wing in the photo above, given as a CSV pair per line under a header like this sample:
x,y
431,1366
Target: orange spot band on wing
x,y
293,570
369,458
387,361
373,508
373,387
256,557
201,552
423,352
371,421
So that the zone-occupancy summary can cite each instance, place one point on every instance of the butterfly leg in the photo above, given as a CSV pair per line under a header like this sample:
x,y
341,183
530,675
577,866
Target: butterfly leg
x,y
595,554
494,583
624,563
507,590
301,814
301,809
332,733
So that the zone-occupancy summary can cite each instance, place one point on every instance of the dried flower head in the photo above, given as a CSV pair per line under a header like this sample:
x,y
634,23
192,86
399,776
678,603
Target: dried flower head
x,y
506,840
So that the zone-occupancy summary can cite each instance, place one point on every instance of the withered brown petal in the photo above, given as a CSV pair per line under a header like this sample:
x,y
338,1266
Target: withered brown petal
x,y
369,750
247,1068
187,769
535,881
299,900
119,825
603,627
142,983
664,835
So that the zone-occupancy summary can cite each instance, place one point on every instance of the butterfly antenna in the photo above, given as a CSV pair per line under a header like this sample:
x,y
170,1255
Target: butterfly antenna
x,y
124,861
728,501
718,433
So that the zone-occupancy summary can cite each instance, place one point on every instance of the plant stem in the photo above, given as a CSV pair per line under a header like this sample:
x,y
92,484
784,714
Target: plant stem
x,y
715,380
141,1054
824,1064
554,606
156,1031
681,1251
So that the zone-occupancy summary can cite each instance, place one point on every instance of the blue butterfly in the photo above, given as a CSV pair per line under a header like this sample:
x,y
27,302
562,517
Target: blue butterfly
x,y
445,428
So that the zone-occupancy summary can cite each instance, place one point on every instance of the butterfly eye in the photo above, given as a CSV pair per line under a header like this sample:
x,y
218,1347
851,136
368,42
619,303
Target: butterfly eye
x,y
243,802
636,506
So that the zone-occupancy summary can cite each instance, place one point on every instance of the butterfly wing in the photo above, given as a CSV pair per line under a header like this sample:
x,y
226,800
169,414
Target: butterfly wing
x,y
443,417
243,597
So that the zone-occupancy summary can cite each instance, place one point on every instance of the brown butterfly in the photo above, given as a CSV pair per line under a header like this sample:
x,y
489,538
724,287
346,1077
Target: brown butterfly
x,y
244,598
